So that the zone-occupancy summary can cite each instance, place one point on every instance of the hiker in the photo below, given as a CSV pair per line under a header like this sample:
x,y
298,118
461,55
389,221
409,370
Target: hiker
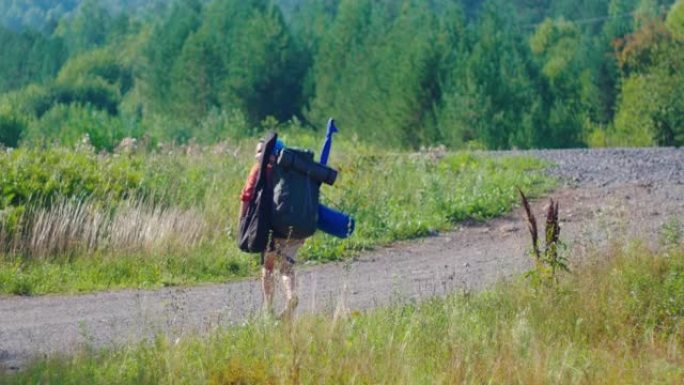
x,y
281,250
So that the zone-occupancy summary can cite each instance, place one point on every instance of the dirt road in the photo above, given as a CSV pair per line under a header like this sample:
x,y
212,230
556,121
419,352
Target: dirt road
x,y
608,196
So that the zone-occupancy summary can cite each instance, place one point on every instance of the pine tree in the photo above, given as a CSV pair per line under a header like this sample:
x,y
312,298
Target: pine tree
x,y
556,45
162,50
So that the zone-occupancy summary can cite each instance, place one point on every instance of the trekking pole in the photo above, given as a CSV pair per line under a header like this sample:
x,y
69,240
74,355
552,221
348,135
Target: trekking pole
x,y
327,144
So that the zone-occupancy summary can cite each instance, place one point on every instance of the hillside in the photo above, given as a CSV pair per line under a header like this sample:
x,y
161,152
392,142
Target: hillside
x,y
465,74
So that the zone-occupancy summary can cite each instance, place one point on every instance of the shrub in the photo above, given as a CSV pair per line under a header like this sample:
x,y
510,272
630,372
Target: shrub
x,y
36,100
36,177
100,63
69,125
11,128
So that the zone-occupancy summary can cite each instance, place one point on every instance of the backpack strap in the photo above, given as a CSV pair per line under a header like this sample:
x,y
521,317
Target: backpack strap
x,y
269,144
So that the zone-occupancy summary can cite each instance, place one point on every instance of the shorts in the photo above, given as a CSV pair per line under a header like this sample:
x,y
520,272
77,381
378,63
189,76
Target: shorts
x,y
285,251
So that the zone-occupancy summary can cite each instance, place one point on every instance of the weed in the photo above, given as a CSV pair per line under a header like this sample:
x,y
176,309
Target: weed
x,y
671,232
22,285
549,261
235,373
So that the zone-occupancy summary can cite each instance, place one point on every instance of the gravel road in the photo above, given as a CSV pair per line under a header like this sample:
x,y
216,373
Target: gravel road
x,y
606,195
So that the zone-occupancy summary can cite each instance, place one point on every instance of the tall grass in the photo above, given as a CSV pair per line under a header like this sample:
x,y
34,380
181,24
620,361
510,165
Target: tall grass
x,y
83,227
618,320
173,212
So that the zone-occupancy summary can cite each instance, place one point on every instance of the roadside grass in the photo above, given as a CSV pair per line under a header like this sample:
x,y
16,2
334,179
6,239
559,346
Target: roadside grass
x,y
77,221
103,272
618,319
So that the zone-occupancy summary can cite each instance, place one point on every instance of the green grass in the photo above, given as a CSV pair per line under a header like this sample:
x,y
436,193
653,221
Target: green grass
x,y
391,196
93,273
617,320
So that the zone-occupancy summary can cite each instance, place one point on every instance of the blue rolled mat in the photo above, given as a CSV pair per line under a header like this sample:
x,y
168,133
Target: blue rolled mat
x,y
335,222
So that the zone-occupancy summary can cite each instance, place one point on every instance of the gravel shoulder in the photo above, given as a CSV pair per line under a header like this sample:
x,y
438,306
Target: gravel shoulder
x,y
607,196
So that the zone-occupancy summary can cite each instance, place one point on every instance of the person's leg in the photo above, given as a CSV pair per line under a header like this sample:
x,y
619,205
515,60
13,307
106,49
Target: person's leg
x,y
288,254
268,279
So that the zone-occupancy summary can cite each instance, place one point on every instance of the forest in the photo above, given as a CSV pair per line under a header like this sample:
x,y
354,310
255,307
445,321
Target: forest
x,y
409,74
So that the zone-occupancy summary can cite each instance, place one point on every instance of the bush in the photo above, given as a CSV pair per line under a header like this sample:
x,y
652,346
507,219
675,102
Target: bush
x,y
99,63
68,125
35,100
36,177
11,129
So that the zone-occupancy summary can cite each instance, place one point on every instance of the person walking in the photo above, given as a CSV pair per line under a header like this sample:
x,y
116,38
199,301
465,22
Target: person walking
x,y
281,251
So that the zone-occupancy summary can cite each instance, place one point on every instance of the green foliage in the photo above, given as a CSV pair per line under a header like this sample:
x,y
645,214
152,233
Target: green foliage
x,y
658,295
36,176
556,44
409,74
95,92
72,124
222,125
675,19
499,100
28,57
34,101
99,63
398,197
671,233
650,109
12,126
104,272
45,15
86,28
38,15
391,196
399,48
616,321
211,70
558,41
162,49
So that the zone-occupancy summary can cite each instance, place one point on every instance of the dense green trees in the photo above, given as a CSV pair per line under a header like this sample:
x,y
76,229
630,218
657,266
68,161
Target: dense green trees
x,y
495,93
675,20
161,50
240,58
28,57
484,74
229,55
377,69
556,46
651,106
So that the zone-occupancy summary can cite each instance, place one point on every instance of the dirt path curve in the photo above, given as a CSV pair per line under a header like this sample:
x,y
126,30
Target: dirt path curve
x,y
609,200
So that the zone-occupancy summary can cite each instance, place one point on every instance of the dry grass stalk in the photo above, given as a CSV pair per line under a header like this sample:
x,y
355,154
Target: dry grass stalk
x,y
552,230
531,225
72,227
550,261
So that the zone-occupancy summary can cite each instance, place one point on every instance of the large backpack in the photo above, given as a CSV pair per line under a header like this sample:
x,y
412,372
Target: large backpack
x,y
295,197
255,226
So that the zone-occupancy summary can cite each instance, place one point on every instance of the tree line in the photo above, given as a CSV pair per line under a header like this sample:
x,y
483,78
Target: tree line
x,y
464,73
